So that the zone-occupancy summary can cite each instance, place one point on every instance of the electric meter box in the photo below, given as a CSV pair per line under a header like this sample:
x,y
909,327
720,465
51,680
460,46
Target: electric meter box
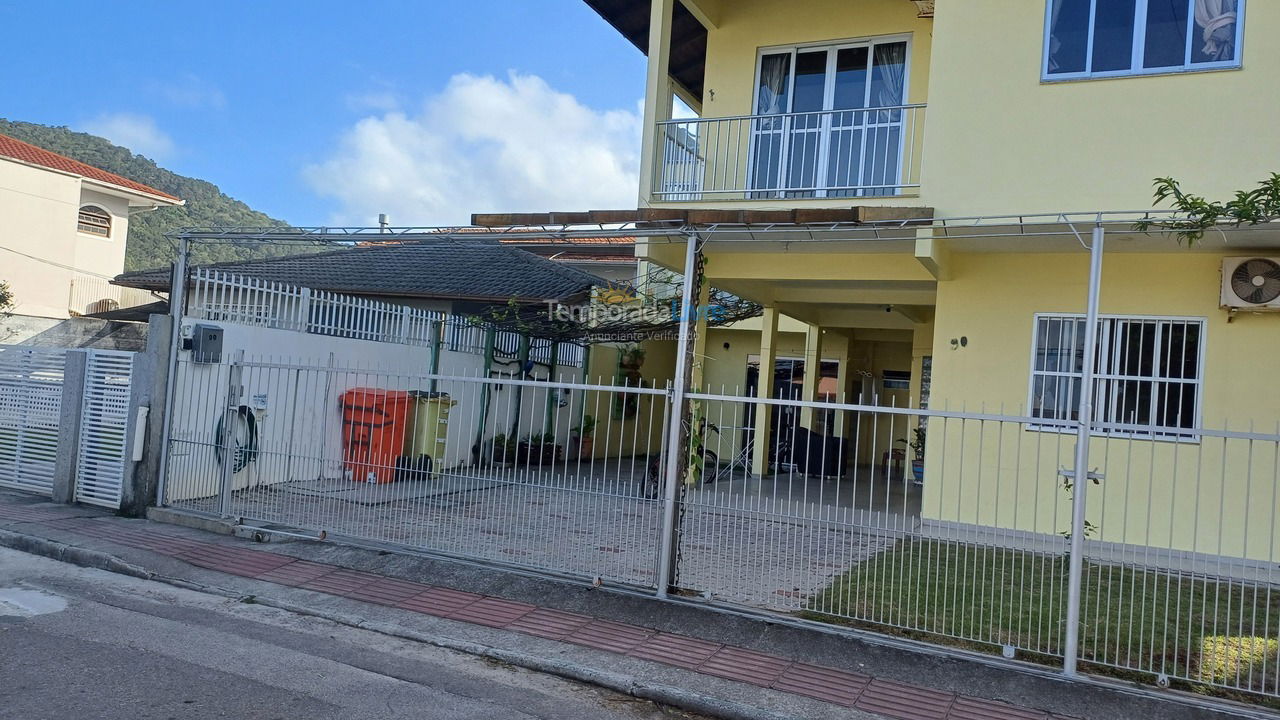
x,y
206,343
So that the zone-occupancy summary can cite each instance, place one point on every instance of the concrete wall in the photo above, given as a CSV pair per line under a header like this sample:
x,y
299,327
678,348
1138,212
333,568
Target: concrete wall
x,y
39,210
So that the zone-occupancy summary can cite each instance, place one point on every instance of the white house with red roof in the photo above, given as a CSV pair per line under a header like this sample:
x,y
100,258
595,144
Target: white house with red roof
x,y
63,227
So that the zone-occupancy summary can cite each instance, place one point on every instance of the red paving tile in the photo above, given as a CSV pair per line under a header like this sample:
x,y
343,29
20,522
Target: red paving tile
x,y
492,612
747,666
967,708
905,702
678,650
892,699
611,636
341,582
245,563
822,683
551,624
388,591
440,602
296,573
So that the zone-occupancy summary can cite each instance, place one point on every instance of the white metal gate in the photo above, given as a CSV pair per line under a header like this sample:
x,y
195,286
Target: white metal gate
x,y
30,403
104,417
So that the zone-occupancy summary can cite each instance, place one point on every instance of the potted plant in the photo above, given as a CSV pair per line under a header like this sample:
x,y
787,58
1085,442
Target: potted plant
x,y
581,437
540,450
631,358
916,443
502,449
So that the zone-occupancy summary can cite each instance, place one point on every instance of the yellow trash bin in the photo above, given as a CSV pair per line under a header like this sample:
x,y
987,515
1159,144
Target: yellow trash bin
x,y
427,435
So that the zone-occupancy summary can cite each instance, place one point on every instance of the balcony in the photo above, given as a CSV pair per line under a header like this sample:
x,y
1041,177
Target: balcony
x,y
856,153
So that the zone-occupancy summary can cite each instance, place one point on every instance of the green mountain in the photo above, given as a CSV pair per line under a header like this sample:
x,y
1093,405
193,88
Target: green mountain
x,y
148,247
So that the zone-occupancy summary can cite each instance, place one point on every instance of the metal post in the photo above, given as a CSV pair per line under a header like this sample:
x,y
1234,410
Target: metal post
x,y
230,410
553,394
177,304
490,335
1071,645
675,426
437,344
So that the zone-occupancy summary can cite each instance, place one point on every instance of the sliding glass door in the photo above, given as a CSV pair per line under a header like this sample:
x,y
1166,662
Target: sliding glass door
x,y
816,133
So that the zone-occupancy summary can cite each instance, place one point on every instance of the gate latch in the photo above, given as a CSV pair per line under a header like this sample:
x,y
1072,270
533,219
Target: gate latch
x,y
1093,474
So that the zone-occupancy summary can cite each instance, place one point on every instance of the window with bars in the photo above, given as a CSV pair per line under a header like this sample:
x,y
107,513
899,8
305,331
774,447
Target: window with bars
x,y
1147,372
94,221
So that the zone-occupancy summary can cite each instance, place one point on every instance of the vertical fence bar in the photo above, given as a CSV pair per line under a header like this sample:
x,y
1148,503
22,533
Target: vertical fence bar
x,y
675,429
226,439
1075,569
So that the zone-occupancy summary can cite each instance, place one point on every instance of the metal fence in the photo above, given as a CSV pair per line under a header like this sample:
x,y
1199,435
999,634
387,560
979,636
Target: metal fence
x,y
37,450
493,469
101,451
837,512
30,407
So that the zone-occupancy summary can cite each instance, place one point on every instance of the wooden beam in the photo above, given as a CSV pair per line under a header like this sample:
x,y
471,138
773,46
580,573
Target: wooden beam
x,y
659,214
613,216
765,217
570,218
826,215
879,213
508,219
709,217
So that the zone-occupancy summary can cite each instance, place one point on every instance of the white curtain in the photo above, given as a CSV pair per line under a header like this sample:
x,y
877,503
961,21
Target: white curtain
x,y
890,71
1054,42
774,71
1217,20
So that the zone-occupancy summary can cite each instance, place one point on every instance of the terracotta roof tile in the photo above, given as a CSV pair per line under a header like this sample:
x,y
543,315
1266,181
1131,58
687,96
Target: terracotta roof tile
x,y
449,269
28,153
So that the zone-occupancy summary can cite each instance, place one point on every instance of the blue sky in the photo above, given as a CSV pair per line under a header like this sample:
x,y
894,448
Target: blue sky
x,y
327,111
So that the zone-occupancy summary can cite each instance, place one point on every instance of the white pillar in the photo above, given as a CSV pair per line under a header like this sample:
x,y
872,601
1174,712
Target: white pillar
x,y
764,389
812,372
657,92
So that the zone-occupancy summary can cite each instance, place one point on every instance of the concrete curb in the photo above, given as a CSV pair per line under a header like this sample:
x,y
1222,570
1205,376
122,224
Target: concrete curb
x,y
617,682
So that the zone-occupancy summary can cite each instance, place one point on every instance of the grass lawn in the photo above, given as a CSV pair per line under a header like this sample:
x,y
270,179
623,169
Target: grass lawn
x,y
1218,632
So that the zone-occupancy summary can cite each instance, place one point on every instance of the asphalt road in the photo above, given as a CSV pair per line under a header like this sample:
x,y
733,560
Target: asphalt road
x,y
80,643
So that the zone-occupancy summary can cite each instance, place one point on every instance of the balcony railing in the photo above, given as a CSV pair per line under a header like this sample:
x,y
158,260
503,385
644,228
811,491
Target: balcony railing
x,y
873,152
90,294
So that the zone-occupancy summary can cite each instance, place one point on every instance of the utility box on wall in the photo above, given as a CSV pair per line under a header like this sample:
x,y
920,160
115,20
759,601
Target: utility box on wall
x,y
206,343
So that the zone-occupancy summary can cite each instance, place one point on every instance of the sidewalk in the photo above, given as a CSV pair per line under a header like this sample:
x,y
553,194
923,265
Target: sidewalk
x,y
680,654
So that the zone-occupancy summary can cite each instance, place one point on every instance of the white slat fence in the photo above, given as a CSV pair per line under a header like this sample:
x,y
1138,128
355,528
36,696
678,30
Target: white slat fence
x,y
30,403
104,417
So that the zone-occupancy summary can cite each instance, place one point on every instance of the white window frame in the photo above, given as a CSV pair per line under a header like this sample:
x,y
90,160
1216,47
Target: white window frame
x,y
109,226
832,47
1111,427
1139,43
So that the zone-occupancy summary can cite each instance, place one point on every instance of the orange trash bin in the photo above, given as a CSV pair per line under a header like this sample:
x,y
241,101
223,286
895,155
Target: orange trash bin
x,y
373,431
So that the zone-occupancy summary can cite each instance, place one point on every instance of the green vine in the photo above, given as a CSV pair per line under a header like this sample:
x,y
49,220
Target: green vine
x,y
1196,214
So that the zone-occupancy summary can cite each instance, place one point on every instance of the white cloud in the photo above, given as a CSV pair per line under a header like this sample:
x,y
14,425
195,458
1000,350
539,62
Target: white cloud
x,y
482,145
136,132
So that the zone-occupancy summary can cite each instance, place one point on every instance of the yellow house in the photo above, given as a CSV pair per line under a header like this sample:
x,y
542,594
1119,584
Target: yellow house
x,y
909,189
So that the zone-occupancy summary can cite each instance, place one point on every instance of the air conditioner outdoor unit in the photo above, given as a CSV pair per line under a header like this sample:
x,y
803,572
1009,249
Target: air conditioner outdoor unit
x,y
1251,283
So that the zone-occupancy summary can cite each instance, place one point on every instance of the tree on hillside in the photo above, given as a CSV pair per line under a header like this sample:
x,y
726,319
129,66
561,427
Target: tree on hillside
x,y
206,205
